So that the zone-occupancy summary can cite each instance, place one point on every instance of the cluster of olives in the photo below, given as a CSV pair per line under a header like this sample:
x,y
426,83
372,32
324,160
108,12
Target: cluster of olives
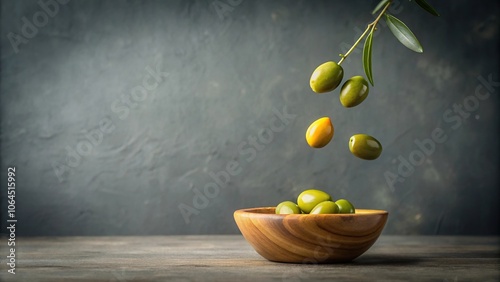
x,y
314,201
326,78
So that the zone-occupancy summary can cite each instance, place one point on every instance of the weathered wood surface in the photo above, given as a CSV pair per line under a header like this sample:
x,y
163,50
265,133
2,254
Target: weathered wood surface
x,y
230,258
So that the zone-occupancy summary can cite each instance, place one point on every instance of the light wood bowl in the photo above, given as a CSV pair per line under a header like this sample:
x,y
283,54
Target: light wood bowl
x,y
310,238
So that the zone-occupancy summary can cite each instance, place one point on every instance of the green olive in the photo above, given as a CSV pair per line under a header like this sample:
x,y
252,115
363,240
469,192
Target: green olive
x,y
326,77
308,199
325,207
345,206
287,207
354,91
365,146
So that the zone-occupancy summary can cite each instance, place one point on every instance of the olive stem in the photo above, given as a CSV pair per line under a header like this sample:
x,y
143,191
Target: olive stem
x,y
375,22
369,28
354,46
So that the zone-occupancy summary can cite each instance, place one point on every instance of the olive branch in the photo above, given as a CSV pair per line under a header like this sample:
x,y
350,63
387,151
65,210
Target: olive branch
x,y
397,27
327,76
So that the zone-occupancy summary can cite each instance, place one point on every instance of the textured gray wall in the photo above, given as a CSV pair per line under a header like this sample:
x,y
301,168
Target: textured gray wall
x,y
214,84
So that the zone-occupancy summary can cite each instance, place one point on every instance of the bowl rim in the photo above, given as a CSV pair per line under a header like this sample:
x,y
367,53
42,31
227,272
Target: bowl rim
x,y
362,212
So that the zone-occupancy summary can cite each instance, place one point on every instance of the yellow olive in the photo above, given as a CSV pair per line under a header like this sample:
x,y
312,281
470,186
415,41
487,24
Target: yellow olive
x,y
345,206
365,146
354,91
320,133
325,208
326,77
308,199
287,207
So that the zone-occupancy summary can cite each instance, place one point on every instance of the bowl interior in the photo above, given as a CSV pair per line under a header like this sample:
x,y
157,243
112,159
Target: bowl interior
x,y
271,210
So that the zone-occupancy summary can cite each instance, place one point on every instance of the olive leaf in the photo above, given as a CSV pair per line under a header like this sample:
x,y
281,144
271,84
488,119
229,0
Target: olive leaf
x,y
380,5
427,7
403,34
367,57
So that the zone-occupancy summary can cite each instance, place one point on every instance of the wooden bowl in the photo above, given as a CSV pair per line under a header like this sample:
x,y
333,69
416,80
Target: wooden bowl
x,y
310,238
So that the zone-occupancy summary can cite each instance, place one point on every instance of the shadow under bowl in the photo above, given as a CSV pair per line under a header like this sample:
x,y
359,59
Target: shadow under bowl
x,y
310,238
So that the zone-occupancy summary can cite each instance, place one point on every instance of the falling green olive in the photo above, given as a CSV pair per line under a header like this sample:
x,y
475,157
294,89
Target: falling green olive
x,y
308,199
365,146
345,206
354,91
287,207
325,207
326,77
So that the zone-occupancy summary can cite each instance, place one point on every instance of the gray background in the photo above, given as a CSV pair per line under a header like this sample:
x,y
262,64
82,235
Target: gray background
x,y
226,77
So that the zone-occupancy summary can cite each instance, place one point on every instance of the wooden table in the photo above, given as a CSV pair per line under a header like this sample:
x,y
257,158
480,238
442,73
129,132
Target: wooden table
x,y
230,258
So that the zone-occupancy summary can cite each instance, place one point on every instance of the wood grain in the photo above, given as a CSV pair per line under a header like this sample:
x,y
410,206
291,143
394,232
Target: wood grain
x,y
307,238
230,258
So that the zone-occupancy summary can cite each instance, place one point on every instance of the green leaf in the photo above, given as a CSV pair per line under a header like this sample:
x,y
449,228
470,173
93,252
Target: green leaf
x,y
403,34
367,57
380,5
427,7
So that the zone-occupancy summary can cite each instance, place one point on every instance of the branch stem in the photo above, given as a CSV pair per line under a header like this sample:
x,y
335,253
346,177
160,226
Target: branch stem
x,y
370,28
